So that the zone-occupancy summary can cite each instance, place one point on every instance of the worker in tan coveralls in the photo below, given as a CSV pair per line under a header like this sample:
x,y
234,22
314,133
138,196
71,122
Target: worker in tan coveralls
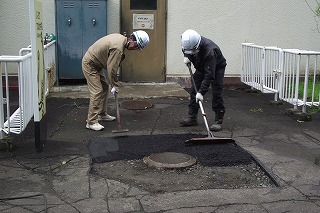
x,y
106,53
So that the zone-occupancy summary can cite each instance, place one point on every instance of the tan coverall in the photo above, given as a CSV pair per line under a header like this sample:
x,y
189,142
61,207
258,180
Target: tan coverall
x,y
105,53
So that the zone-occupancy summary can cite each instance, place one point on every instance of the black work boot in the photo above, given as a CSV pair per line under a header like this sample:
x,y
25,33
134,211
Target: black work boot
x,y
192,118
190,121
217,124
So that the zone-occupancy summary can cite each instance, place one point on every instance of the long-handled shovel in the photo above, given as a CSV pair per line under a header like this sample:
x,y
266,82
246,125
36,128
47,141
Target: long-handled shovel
x,y
211,137
119,128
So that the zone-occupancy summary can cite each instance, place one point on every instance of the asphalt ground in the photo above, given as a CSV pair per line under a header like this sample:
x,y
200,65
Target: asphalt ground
x,y
74,176
136,147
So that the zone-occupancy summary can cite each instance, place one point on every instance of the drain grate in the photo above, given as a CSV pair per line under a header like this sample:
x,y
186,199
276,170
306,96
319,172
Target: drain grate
x,y
136,105
169,160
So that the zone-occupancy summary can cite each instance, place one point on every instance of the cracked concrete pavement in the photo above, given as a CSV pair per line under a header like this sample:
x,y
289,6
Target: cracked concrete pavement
x,y
287,149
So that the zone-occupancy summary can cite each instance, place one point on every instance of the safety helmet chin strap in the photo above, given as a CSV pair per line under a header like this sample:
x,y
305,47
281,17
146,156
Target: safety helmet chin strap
x,y
127,44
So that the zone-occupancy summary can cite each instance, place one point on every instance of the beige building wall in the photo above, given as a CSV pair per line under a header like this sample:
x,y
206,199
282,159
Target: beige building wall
x,y
285,23
282,23
14,22
14,28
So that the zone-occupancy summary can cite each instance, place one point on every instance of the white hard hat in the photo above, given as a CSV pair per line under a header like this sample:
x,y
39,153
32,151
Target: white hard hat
x,y
190,41
142,38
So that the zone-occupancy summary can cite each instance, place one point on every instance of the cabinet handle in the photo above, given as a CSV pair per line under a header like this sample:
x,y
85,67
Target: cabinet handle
x,y
69,21
94,22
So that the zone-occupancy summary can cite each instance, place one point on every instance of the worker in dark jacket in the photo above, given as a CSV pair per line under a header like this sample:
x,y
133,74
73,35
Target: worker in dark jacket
x,y
209,64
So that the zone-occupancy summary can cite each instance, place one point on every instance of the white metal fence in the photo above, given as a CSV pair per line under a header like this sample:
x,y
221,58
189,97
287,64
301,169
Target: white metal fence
x,y
260,67
291,74
17,121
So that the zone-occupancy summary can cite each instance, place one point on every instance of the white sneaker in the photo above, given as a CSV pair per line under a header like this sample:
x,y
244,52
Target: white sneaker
x,y
106,118
95,126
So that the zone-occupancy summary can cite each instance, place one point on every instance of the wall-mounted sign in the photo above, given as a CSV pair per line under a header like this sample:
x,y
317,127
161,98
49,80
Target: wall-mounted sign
x,y
36,34
143,21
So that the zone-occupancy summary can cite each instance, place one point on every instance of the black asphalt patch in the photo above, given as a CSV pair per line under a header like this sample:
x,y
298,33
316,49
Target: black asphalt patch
x,y
136,147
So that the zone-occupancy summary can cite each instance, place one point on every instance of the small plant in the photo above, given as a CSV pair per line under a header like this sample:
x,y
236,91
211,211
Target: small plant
x,y
310,89
317,11
256,110
311,109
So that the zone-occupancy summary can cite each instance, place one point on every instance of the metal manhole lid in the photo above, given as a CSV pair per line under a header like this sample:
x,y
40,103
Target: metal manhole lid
x,y
136,105
169,160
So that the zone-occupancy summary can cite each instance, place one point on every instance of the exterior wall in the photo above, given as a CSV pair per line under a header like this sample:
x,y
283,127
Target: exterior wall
x,y
113,16
285,23
14,28
14,23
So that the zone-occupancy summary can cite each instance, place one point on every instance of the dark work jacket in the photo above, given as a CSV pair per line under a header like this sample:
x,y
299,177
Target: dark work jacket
x,y
206,62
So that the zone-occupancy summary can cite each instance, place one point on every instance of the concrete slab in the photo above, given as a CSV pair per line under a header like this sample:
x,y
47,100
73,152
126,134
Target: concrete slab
x,y
64,173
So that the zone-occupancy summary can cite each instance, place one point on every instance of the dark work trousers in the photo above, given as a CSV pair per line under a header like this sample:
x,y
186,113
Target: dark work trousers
x,y
217,93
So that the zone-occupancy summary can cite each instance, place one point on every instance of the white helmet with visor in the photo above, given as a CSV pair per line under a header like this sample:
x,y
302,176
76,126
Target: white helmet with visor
x,y
190,41
142,38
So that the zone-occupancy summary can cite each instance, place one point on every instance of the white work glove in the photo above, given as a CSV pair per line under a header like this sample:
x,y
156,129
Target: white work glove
x,y
114,90
199,97
186,61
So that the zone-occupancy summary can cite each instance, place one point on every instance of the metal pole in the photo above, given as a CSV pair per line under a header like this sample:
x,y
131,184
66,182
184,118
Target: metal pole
x,y
305,89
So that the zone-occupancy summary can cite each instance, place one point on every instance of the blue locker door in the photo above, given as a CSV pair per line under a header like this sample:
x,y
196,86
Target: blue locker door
x,y
95,21
69,39
79,24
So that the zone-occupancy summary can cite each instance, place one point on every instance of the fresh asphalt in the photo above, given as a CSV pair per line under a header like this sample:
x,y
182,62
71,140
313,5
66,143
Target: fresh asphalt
x,y
288,149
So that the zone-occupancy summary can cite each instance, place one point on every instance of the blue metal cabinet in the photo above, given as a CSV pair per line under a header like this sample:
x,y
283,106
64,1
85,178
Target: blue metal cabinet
x,y
79,23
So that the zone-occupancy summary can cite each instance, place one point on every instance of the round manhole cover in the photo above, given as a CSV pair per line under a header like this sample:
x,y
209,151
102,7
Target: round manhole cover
x,y
136,105
169,160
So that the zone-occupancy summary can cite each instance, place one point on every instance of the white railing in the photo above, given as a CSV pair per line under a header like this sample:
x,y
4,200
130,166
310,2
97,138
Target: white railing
x,y
260,66
49,63
300,70
18,120
283,72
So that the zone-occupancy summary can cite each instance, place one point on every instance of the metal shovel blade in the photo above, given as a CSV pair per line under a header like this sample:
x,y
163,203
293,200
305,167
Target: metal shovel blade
x,y
120,130
209,140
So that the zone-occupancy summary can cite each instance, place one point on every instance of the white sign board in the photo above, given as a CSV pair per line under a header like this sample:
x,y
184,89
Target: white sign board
x,y
36,34
143,21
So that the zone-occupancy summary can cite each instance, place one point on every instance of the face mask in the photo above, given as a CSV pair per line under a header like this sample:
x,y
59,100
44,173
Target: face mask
x,y
191,52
